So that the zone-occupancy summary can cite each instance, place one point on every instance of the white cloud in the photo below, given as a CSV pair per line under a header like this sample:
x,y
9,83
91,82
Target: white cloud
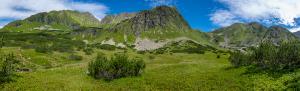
x,y
155,3
223,18
20,9
296,29
266,11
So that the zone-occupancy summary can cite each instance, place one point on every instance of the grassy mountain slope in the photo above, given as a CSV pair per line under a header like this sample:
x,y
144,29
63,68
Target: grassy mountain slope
x,y
160,23
114,19
162,18
277,34
55,20
297,34
243,35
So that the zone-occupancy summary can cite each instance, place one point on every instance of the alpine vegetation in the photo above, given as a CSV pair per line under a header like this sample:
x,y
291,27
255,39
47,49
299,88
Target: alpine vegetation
x,y
117,67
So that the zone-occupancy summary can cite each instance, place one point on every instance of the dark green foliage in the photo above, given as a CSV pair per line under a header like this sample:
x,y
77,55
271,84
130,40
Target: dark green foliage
x,y
218,56
43,48
88,51
42,42
118,66
151,57
1,42
106,47
141,52
293,85
184,47
75,57
238,59
8,64
282,57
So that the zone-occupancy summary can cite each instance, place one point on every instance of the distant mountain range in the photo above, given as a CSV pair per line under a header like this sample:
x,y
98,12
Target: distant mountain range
x,y
154,28
244,35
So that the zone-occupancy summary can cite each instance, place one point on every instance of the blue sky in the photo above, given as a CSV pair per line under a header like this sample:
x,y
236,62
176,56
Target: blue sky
x,y
204,15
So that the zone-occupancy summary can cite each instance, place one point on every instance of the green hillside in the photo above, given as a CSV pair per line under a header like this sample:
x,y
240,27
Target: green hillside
x,y
245,35
65,20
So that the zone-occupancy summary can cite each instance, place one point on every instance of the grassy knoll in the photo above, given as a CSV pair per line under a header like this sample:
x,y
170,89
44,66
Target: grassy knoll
x,y
178,71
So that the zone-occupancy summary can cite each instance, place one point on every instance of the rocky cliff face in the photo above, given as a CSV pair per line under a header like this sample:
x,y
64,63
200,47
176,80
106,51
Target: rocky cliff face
x,y
115,19
277,34
297,34
162,18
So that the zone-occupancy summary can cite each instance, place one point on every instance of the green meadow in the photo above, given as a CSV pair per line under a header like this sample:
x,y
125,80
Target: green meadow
x,y
164,72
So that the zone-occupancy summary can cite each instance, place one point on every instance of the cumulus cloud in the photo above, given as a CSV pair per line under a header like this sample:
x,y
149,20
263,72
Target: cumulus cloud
x,y
155,3
295,29
266,11
20,9
223,18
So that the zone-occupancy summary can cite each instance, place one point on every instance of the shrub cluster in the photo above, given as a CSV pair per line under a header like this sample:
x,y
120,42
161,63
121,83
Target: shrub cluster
x,y
88,51
75,57
118,66
106,47
7,67
284,56
43,48
184,47
41,42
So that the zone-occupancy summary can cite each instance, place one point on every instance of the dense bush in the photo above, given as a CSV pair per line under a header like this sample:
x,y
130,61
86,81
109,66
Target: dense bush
x,y
2,41
43,48
118,66
293,85
184,47
238,59
284,56
7,67
106,47
58,42
88,51
75,57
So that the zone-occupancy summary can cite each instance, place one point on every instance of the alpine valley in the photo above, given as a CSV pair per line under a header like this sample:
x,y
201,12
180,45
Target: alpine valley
x,y
55,52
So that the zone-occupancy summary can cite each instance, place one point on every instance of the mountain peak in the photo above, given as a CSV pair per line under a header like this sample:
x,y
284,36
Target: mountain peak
x,y
162,18
278,28
114,19
60,20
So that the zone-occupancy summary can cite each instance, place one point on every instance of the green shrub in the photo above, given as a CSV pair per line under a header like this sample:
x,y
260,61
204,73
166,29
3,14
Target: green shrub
x,y
293,85
118,66
107,47
88,51
43,48
218,56
8,64
1,41
284,56
238,59
75,57
151,57
141,52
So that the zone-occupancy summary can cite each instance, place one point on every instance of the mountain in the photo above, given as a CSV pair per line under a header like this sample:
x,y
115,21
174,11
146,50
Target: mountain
x,y
115,19
159,19
278,33
297,34
147,29
54,20
153,27
244,35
